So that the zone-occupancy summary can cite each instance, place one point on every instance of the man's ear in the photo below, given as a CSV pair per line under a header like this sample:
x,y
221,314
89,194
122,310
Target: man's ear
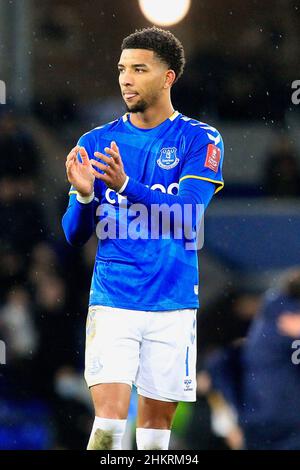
x,y
170,78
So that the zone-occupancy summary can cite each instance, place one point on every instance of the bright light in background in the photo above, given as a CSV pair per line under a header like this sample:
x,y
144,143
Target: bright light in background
x,y
165,12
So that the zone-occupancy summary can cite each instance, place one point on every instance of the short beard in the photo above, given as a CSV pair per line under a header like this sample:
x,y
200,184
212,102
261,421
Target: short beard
x,y
140,107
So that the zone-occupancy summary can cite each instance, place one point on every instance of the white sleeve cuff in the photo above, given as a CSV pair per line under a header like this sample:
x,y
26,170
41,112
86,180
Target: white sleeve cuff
x,y
85,199
124,185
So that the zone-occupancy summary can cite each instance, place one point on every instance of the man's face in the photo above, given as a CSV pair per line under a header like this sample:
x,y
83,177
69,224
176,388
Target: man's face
x,y
141,78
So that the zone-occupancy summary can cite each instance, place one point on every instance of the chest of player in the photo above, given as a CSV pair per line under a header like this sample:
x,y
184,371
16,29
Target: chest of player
x,y
152,161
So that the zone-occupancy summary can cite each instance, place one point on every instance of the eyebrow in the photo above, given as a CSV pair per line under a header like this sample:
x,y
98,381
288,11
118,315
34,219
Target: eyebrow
x,y
134,65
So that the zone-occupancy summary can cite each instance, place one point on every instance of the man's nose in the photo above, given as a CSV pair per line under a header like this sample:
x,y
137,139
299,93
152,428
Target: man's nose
x,y
126,79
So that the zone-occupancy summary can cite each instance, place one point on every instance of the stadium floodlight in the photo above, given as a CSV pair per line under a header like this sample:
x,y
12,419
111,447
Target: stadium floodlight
x,y
165,12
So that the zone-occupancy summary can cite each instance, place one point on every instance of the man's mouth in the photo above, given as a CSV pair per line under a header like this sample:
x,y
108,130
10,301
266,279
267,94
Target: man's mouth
x,y
129,95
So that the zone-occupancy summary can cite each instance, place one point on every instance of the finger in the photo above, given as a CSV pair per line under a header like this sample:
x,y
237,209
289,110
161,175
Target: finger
x,y
115,155
71,156
72,161
101,166
74,149
73,152
116,149
101,177
69,166
114,146
84,156
104,158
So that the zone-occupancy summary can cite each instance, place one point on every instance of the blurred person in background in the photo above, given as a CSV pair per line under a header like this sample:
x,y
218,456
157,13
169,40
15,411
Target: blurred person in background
x,y
13,269
226,319
259,377
22,223
22,227
55,327
20,334
43,261
71,398
270,378
212,425
21,155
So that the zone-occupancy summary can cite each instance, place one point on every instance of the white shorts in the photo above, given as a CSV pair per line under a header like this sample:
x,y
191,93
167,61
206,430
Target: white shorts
x,y
155,351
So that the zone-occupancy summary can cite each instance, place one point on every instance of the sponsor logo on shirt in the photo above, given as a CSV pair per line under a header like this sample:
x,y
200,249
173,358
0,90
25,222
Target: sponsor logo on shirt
x,y
188,387
113,198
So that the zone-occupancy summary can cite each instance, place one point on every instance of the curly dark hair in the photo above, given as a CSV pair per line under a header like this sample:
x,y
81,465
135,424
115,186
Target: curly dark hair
x,y
163,43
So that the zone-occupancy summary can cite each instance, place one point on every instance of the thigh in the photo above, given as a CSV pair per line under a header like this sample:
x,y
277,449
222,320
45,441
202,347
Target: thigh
x,y
112,346
168,356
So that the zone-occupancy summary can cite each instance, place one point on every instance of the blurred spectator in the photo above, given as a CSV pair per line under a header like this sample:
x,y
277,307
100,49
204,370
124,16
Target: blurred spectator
x,y
282,170
259,378
21,338
16,320
226,319
12,269
21,216
21,219
72,409
43,262
56,345
20,156
224,421
201,435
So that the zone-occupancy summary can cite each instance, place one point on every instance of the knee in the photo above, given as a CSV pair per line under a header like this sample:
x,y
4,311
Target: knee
x,y
117,410
156,422
153,414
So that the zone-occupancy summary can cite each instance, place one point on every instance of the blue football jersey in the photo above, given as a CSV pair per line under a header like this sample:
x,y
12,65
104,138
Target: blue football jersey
x,y
142,273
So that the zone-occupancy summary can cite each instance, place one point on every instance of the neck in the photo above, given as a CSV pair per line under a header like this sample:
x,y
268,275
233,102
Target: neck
x,y
152,117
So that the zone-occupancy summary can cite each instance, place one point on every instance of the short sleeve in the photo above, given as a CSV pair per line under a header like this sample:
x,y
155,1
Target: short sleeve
x,y
204,159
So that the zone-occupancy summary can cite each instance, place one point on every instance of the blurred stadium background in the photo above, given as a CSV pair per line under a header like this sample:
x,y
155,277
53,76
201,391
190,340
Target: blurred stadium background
x,y
58,60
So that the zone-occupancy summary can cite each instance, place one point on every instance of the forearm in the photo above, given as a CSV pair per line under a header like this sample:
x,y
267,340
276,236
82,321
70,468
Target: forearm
x,y
137,192
79,222
191,195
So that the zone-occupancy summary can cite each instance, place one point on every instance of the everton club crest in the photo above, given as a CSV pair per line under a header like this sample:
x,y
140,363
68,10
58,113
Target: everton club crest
x,y
168,158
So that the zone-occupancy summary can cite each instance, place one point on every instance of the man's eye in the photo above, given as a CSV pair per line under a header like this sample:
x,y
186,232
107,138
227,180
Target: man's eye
x,y
139,70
